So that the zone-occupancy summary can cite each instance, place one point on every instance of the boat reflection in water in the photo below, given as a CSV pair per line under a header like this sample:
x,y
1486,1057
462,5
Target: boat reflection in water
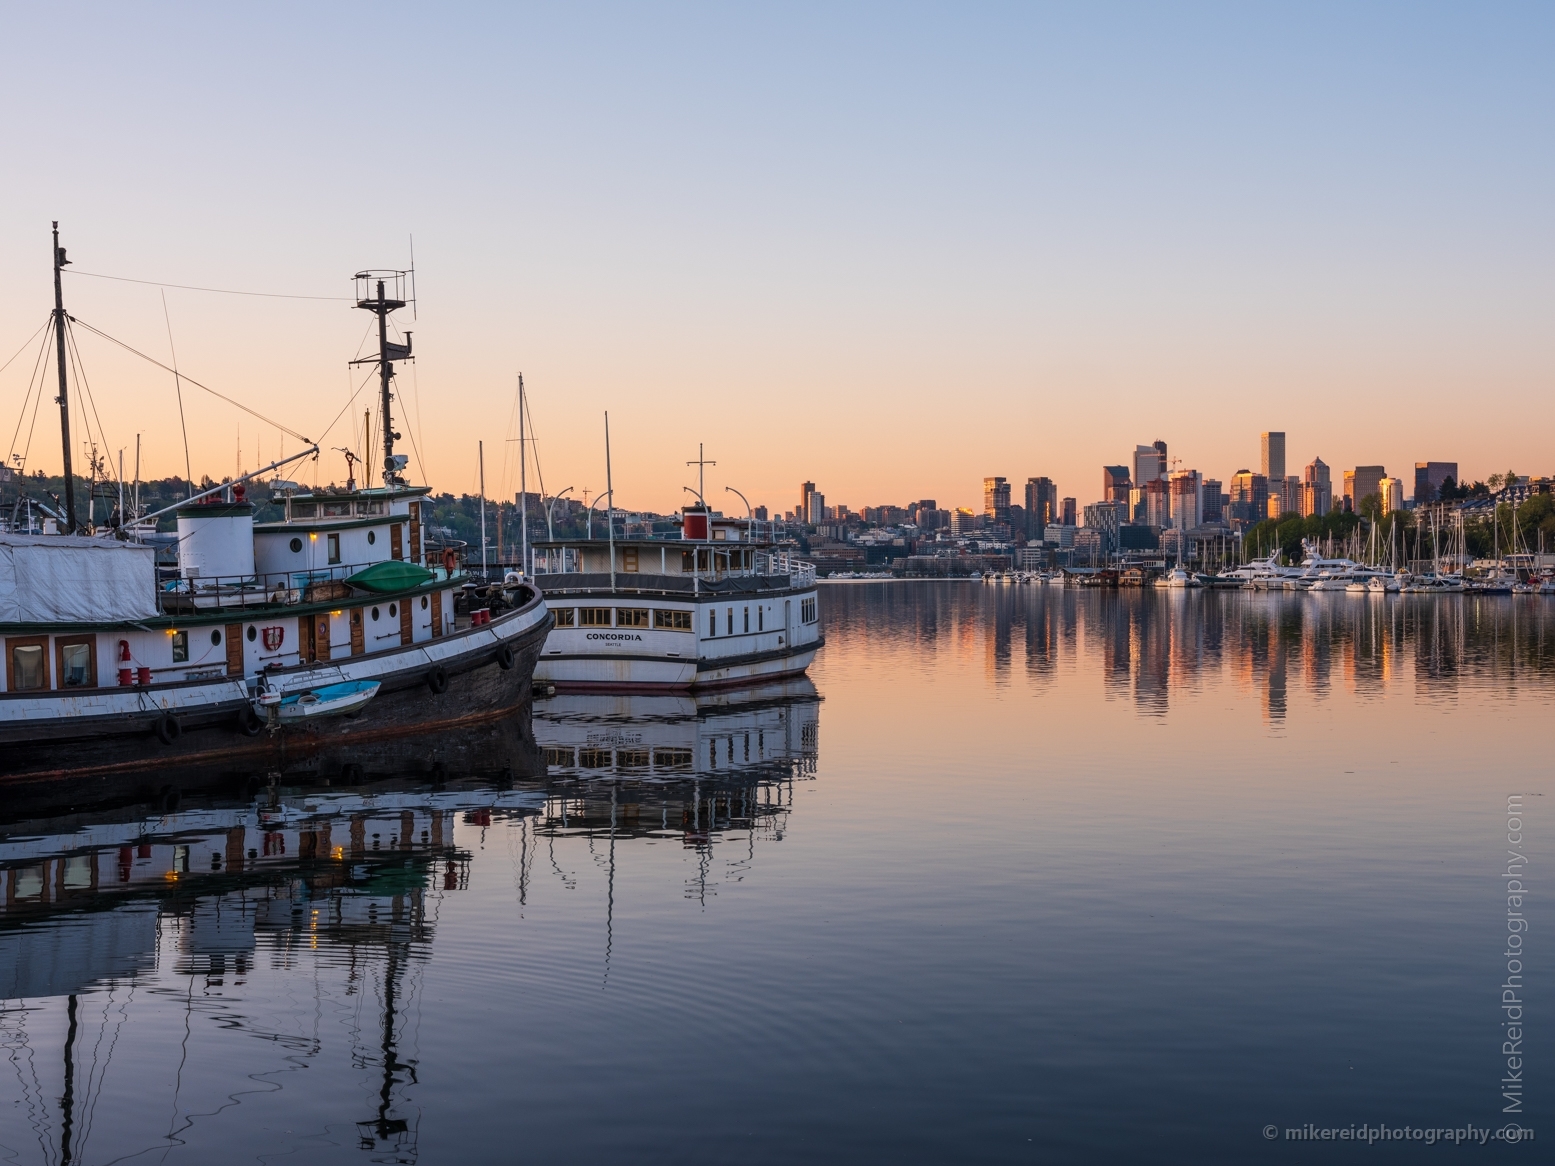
x,y
140,952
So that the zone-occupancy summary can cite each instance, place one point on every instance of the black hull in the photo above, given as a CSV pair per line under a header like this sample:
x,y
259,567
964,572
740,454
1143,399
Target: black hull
x,y
89,768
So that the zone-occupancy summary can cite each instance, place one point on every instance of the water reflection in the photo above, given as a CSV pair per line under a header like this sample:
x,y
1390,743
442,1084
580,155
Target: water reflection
x,y
1154,646
209,953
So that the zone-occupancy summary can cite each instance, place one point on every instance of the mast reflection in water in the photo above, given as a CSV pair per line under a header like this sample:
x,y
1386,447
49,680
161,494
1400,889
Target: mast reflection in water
x,y
160,970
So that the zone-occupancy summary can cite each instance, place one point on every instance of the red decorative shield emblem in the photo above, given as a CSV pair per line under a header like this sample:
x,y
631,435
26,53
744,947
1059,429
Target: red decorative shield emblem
x,y
273,638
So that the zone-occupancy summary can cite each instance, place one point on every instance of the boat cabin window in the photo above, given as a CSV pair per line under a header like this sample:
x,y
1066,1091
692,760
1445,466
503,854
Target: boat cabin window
x,y
729,621
28,663
594,758
336,510
180,647
761,618
76,661
807,610
594,617
631,759
679,621
334,548
557,755
566,617
747,619
376,506
672,758
712,622
304,510
632,617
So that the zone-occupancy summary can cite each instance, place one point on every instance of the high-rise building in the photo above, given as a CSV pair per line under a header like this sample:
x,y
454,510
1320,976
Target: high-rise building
x,y
805,490
1105,518
996,500
815,506
759,514
1149,464
1392,493
1210,506
1429,477
1249,497
1066,512
1317,491
1274,458
1115,483
1361,483
1186,491
1041,505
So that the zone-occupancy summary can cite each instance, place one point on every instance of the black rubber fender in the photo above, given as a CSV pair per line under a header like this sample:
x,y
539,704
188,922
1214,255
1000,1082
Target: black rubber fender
x,y
168,728
250,723
505,657
437,680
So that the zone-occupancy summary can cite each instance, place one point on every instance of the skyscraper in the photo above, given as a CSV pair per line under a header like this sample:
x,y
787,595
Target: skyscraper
x,y
1041,505
1274,458
1067,512
996,500
1317,495
1429,477
1249,497
805,490
1114,483
1186,490
1210,509
1362,482
1149,464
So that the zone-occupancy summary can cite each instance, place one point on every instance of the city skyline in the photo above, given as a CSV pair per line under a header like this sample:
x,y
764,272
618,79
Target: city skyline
x,y
805,241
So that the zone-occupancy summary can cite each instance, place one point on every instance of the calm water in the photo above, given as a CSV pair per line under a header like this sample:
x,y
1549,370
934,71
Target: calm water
x,y
1023,875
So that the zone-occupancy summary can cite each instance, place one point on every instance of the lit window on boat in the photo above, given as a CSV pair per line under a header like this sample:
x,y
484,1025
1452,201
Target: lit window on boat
x,y
594,617
334,548
631,759
75,665
632,617
679,621
666,759
594,758
180,647
557,755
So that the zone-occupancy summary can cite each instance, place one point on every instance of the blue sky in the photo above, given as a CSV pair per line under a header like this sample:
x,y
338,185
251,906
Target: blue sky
x,y
889,248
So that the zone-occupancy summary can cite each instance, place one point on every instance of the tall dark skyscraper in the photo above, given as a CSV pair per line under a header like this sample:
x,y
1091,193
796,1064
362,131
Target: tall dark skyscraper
x,y
1041,505
1115,483
996,500
1429,477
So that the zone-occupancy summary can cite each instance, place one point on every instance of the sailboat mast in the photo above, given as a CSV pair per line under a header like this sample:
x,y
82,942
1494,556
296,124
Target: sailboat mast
x,y
64,396
610,504
523,486
480,448
385,372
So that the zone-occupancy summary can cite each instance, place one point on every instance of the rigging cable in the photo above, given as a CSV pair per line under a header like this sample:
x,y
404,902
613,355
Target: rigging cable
x,y
80,367
31,381
223,291
342,413
25,343
178,385
219,396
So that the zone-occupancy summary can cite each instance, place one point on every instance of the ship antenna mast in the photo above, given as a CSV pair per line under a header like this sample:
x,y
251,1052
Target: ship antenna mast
x,y
64,398
372,296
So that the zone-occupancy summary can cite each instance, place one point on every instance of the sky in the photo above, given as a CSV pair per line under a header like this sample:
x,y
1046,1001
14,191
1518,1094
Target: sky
x,y
888,248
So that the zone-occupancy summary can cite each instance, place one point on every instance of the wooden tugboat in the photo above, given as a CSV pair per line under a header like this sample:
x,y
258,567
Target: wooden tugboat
x,y
338,608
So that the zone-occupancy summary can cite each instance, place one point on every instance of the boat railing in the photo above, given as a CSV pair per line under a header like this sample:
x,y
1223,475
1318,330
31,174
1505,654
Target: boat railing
x,y
277,588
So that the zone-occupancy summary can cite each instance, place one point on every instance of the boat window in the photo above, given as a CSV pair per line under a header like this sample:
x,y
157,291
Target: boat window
x,y
296,545
375,613
252,634
77,666
334,548
712,622
180,647
631,759
337,510
672,758
565,616
761,617
423,603
556,755
594,617
747,619
215,638
375,507
807,610
632,617
304,510
372,537
679,621
729,620
393,611
594,758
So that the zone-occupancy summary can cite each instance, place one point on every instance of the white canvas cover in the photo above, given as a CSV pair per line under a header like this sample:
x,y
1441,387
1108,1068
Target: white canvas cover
x,y
63,579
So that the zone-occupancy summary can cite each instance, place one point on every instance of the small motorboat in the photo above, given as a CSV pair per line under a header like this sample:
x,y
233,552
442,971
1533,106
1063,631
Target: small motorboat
x,y
329,700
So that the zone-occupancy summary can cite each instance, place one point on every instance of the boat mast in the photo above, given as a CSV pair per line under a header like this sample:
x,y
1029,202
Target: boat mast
x,y
480,448
610,504
64,397
523,486
380,305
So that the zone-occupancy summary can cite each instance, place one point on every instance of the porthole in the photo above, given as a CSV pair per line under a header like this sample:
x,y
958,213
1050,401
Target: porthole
x,y
296,546
252,634
372,537
375,613
215,637
393,611
423,603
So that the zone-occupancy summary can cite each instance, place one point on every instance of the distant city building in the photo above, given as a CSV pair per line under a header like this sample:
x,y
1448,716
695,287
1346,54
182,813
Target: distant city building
x,y
996,500
1361,483
1066,512
1148,503
759,513
1115,483
1138,537
964,521
1392,492
1041,505
1060,534
1186,490
1212,502
1273,457
1249,497
1149,464
805,490
815,506
1105,518
1317,495
1429,477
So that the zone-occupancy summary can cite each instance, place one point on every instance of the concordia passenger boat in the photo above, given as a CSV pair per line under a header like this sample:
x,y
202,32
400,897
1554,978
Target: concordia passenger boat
x,y
333,624
715,607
